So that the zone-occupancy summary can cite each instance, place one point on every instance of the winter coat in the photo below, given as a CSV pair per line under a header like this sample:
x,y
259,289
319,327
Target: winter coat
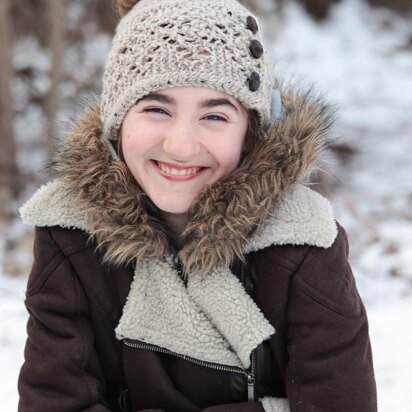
x,y
264,316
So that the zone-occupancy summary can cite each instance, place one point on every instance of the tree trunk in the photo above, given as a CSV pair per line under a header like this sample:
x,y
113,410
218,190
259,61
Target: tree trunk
x,y
56,48
400,6
9,187
319,9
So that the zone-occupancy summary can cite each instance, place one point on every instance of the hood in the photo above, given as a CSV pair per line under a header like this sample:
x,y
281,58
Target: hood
x,y
261,203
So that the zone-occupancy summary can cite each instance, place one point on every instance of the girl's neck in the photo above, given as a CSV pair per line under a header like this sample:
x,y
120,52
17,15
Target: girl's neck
x,y
176,224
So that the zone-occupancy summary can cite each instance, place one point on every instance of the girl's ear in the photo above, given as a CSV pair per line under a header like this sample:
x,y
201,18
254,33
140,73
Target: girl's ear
x,y
124,6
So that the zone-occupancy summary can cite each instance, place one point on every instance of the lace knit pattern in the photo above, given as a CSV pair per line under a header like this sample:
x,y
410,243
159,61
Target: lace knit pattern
x,y
168,43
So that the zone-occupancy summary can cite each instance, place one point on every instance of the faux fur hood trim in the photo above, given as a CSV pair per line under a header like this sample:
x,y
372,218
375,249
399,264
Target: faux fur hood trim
x,y
224,215
302,217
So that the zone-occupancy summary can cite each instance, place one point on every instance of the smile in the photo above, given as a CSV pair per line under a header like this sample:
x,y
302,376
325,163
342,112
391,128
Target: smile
x,y
175,172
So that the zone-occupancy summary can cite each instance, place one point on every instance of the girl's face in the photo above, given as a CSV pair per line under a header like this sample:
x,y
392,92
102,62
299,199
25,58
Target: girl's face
x,y
175,141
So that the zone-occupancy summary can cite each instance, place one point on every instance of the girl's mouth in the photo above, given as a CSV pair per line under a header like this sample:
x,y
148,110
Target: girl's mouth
x,y
176,172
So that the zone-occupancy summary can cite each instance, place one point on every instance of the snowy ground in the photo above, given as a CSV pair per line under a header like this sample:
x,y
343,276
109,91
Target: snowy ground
x,y
361,59
12,337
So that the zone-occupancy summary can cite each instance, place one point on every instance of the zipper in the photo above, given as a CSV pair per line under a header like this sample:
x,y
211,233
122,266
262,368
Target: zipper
x,y
251,372
242,273
216,366
123,402
251,382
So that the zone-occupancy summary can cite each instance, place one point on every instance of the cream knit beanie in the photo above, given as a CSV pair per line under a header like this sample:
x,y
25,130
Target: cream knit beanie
x,y
168,43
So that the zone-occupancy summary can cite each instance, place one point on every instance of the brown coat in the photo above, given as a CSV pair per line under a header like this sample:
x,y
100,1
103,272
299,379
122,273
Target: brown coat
x,y
319,357
110,313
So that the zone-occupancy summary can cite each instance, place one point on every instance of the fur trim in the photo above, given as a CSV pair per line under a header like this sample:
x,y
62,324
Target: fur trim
x,y
222,217
107,192
301,217
275,404
213,319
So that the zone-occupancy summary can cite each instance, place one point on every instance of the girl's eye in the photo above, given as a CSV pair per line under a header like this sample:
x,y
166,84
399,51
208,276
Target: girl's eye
x,y
155,110
215,117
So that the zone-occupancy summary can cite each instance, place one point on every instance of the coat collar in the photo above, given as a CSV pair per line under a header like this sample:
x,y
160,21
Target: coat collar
x,y
301,217
212,319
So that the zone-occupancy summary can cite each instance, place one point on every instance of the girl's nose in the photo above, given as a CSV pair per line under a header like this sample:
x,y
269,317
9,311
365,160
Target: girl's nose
x,y
181,140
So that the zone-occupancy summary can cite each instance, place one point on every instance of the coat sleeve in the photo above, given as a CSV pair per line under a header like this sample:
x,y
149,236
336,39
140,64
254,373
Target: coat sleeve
x,y
61,370
330,362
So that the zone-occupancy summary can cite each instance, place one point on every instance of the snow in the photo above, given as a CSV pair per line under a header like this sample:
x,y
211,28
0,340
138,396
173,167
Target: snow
x,y
361,60
12,338
391,339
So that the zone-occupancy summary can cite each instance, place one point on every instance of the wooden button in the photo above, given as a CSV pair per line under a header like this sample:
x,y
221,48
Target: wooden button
x,y
256,49
252,25
254,81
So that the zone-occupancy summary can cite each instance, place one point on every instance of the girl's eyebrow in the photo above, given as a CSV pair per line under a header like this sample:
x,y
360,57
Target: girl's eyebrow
x,y
210,103
158,97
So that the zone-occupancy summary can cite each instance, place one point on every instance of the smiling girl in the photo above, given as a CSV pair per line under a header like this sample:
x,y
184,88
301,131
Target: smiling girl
x,y
180,264
178,140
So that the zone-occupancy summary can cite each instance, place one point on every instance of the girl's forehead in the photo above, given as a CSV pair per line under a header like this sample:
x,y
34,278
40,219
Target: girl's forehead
x,y
193,93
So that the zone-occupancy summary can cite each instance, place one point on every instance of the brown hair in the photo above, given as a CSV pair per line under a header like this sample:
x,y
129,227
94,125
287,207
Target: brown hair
x,y
253,132
124,6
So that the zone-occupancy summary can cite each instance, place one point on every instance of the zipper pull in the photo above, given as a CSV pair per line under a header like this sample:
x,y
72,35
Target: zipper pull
x,y
250,387
123,400
250,378
175,263
178,264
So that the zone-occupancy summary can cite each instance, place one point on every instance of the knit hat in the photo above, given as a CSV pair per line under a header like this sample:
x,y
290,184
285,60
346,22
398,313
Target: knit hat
x,y
168,43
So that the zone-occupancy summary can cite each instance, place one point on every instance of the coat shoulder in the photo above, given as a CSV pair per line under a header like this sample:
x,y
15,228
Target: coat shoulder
x,y
52,246
289,257
63,240
324,274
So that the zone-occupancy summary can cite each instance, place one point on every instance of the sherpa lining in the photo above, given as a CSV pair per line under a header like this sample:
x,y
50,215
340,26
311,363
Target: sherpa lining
x,y
275,404
302,217
213,319
51,205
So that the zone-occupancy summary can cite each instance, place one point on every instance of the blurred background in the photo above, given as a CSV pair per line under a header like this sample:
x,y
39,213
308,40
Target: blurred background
x,y
357,53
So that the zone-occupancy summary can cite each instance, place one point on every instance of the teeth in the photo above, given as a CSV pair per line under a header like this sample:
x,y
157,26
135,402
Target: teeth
x,y
176,172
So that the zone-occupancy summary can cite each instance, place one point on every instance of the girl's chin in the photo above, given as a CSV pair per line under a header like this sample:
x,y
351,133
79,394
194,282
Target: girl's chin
x,y
178,208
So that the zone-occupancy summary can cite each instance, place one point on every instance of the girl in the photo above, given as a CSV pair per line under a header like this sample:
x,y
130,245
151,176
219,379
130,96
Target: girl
x,y
180,264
